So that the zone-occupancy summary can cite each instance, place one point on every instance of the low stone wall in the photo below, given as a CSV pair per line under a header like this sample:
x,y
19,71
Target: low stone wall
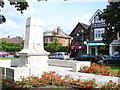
x,y
5,63
75,65
15,62
63,63
9,63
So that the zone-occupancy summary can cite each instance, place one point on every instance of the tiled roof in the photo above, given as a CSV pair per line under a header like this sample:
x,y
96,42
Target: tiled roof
x,y
50,33
84,26
12,40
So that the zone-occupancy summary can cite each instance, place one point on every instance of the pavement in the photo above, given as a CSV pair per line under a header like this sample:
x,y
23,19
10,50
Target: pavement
x,y
100,79
68,71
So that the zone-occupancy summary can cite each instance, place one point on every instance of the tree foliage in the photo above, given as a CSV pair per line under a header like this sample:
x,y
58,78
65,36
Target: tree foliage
x,y
51,47
55,46
111,15
20,6
10,47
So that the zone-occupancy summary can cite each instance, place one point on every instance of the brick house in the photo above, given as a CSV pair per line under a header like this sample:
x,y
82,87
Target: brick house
x,y
115,45
63,38
12,40
80,36
96,46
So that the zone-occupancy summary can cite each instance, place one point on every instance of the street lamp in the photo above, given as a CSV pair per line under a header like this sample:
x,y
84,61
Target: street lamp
x,y
85,42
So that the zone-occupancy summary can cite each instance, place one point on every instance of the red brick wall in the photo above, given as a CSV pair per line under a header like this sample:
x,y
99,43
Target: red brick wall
x,y
63,41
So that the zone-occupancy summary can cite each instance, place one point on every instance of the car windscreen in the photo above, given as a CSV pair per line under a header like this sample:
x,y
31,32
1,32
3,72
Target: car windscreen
x,y
66,54
3,52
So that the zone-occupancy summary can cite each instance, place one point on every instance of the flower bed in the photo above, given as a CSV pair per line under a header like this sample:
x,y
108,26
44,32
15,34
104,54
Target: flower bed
x,y
54,80
99,69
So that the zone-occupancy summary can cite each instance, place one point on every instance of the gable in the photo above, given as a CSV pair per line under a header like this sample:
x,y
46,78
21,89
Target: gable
x,y
95,17
80,28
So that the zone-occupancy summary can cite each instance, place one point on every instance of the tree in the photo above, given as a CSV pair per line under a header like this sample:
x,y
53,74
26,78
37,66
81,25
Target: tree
x,y
111,15
56,46
11,47
20,6
53,47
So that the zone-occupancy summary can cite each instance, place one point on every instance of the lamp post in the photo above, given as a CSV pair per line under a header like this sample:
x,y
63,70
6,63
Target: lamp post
x,y
85,42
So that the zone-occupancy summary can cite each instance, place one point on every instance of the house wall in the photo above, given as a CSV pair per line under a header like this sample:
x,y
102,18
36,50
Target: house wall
x,y
91,35
79,31
48,39
98,28
64,41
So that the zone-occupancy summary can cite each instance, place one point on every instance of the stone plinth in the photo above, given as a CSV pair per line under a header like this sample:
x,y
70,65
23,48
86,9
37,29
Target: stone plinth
x,y
16,73
33,57
33,54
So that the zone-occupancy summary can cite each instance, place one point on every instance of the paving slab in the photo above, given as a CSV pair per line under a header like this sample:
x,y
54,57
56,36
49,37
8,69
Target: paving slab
x,y
99,78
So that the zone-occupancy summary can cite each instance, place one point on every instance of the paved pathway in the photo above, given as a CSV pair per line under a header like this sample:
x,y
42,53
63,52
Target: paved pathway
x,y
99,78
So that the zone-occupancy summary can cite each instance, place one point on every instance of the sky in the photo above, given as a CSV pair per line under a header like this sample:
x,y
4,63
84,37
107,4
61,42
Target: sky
x,y
52,13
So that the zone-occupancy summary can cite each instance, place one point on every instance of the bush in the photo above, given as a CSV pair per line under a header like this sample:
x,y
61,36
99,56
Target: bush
x,y
53,80
99,69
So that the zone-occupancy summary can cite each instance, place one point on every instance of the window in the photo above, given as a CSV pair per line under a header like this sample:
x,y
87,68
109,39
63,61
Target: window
x,y
66,41
98,34
118,34
81,37
97,19
47,39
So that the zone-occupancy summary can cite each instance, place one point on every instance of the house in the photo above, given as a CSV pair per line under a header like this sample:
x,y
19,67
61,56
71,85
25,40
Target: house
x,y
96,46
115,45
63,38
12,40
15,44
80,35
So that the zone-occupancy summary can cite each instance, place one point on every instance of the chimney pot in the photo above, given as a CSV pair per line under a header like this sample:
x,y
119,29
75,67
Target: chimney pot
x,y
8,36
58,31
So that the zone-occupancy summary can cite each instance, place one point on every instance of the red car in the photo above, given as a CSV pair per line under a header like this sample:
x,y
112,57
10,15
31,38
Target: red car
x,y
4,54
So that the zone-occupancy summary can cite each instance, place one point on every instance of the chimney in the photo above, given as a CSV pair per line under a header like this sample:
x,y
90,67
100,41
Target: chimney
x,y
8,36
58,31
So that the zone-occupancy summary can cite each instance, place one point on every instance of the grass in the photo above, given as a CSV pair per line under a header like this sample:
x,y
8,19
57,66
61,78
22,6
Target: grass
x,y
115,68
5,58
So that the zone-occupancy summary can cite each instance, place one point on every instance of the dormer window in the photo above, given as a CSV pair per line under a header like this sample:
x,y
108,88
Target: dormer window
x,y
97,20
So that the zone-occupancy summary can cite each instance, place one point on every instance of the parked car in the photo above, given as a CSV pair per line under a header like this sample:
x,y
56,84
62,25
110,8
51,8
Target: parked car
x,y
86,57
59,55
115,59
16,55
4,54
101,57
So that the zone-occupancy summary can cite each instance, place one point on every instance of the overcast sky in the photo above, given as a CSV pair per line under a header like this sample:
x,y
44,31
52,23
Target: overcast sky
x,y
52,13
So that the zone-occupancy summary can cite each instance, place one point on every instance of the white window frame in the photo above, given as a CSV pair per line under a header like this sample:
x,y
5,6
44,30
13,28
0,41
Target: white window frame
x,y
47,39
98,33
118,35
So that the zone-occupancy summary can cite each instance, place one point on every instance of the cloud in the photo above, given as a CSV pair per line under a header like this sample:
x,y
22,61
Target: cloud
x,y
11,28
85,19
30,10
82,19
